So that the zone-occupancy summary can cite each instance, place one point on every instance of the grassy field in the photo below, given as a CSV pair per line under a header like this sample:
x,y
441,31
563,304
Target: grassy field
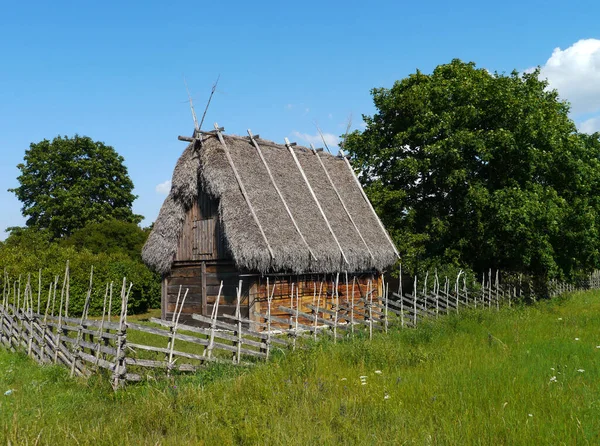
x,y
526,375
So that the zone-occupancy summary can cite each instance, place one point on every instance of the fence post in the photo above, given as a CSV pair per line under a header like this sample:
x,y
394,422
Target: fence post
x,y
120,366
415,302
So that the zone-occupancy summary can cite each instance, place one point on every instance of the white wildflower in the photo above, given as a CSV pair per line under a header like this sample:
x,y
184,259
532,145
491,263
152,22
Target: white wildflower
x,y
343,379
530,415
577,339
551,368
560,318
386,397
8,392
580,370
378,372
553,379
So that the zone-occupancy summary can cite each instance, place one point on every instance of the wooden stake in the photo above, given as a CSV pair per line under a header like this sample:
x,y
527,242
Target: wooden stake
x,y
213,325
120,363
39,291
317,310
238,316
370,310
415,303
174,332
352,305
110,300
437,294
101,327
497,297
80,328
68,280
269,301
336,307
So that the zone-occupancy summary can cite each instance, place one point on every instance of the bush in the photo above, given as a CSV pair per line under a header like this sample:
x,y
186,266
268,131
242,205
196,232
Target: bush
x,y
18,261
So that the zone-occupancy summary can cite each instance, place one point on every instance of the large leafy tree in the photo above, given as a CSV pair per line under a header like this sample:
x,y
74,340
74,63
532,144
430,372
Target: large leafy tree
x,y
67,183
109,236
482,169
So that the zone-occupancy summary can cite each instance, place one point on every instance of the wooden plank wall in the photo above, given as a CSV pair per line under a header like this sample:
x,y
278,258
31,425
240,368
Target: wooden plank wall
x,y
202,236
254,290
306,286
189,276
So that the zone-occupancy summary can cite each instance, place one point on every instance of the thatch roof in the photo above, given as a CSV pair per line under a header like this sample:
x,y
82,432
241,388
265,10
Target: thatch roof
x,y
206,166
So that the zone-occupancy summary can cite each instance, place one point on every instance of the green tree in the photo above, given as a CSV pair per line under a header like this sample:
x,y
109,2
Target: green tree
x,y
109,236
482,169
68,182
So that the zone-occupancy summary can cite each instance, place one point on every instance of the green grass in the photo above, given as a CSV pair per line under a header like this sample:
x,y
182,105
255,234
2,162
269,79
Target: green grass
x,y
483,377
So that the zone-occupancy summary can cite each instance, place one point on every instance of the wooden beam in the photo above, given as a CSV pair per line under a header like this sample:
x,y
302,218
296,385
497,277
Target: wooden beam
x,y
389,239
242,188
312,192
260,154
204,301
342,201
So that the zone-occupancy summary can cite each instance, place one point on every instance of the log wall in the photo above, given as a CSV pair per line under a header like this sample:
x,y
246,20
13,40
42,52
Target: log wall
x,y
203,280
311,289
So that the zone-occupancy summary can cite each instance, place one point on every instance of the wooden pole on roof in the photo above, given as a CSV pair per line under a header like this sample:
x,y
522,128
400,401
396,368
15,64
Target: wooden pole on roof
x,y
341,201
389,239
260,154
242,188
312,193
196,126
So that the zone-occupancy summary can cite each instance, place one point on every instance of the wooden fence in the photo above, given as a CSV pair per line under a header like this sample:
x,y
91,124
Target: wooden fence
x,y
340,316
128,351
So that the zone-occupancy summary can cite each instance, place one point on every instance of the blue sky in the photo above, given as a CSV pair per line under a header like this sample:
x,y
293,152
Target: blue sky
x,y
114,70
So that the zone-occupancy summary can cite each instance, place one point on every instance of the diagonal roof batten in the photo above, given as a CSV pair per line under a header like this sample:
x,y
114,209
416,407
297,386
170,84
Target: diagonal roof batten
x,y
389,239
312,192
242,188
342,201
289,212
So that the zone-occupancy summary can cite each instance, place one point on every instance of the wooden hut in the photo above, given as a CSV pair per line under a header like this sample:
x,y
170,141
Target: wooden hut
x,y
250,210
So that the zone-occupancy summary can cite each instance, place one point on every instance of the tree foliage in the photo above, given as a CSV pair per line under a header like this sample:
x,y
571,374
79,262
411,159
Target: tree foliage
x,y
109,236
482,169
68,182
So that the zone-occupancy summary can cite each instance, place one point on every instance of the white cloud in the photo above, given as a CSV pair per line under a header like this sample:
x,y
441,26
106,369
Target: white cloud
x,y
330,139
590,125
164,188
575,73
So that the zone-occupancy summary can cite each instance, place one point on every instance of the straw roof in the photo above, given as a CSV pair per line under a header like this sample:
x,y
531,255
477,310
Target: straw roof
x,y
206,166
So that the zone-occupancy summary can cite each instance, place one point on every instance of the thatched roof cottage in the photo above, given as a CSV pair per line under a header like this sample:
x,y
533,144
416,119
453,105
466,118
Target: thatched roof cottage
x,y
243,208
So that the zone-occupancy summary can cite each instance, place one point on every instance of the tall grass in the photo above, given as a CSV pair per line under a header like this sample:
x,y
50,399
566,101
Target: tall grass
x,y
524,375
